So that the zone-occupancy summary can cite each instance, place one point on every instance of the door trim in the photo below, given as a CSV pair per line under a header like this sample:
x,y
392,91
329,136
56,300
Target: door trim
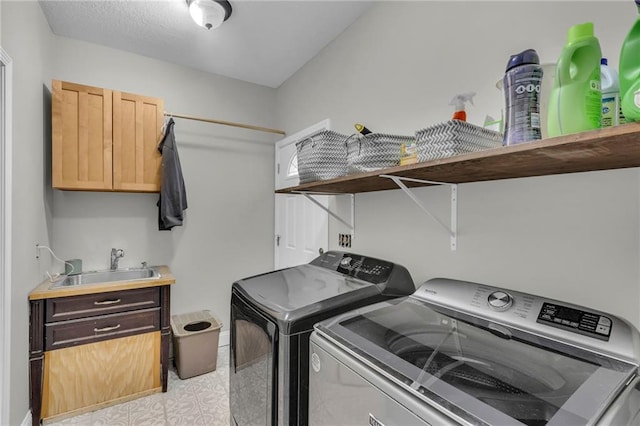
x,y
6,82
302,134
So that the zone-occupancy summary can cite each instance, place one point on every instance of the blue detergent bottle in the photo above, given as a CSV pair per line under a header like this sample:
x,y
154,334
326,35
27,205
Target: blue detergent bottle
x,y
521,83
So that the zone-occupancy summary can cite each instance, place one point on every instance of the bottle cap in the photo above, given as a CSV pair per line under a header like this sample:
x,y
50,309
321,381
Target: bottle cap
x,y
529,56
580,32
604,61
362,129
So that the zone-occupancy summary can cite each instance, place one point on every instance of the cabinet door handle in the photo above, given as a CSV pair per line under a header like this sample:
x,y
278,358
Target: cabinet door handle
x,y
107,302
98,330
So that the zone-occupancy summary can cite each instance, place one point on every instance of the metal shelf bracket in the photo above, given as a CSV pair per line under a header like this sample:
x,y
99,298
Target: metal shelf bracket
x,y
351,226
453,229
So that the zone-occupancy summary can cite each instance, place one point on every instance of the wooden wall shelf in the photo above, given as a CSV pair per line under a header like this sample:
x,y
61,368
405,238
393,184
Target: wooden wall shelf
x,y
603,149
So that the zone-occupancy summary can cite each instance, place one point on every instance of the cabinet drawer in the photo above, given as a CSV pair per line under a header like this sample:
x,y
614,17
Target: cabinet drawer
x,y
73,307
95,329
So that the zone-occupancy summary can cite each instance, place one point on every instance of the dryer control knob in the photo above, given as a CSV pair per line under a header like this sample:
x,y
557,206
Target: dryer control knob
x,y
499,301
345,262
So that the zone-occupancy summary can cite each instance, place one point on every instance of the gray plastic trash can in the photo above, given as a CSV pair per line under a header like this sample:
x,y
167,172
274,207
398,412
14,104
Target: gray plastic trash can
x,y
195,343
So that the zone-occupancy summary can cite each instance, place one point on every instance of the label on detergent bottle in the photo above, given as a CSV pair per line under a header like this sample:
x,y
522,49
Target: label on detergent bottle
x,y
636,98
593,100
523,107
610,108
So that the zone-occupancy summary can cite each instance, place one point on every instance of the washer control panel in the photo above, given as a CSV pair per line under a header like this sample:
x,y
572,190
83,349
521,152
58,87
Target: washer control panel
x,y
578,321
511,308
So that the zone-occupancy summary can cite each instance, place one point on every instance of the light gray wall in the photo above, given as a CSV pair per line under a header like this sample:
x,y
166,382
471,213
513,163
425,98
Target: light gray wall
x,y
27,39
572,237
228,173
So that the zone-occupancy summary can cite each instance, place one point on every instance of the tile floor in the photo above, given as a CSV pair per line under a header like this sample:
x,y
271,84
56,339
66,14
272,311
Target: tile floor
x,y
201,400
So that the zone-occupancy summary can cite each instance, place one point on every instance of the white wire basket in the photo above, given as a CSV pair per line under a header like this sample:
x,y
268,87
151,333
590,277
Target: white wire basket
x,y
374,151
454,137
322,156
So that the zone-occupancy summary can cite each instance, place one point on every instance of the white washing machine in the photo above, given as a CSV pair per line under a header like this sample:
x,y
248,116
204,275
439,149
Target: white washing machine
x,y
460,353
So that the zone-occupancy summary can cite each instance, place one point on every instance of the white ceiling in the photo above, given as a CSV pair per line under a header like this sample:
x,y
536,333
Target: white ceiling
x,y
263,42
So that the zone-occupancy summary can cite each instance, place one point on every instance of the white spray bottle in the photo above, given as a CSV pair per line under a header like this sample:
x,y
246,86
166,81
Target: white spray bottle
x,y
458,102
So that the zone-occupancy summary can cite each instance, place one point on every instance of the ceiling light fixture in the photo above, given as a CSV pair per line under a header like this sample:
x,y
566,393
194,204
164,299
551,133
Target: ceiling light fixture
x,y
209,13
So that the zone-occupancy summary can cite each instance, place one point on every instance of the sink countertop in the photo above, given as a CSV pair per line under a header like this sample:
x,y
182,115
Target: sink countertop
x,y
44,290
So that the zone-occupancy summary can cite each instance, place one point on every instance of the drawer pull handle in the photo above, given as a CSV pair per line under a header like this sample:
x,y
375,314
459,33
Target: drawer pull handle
x,y
107,302
98,330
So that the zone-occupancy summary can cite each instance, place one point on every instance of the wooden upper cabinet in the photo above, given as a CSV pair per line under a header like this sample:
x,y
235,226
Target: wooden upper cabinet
x,y
137,121
105,140
82,138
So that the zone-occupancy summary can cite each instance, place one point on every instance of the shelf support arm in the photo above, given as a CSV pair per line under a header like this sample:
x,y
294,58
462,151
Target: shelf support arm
x,y
351,226
453,229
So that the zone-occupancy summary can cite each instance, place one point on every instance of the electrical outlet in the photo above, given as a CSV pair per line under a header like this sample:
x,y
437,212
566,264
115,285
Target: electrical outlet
x,y
344,240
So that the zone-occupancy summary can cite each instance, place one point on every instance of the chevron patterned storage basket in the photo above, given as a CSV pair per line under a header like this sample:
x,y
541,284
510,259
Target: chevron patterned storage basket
x,y
454,137
322,156
374,151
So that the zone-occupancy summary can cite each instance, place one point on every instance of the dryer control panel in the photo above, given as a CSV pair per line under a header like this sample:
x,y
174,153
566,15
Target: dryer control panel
x,y
391,279
364,268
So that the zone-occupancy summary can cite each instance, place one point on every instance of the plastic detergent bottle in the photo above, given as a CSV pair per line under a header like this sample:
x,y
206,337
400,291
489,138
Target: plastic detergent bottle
x,y
629,69
458,103
610,95
575,103
521,83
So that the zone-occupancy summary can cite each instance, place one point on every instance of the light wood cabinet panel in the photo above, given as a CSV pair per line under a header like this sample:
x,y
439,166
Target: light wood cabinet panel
x,y
105,140
137,121
81,379
82,137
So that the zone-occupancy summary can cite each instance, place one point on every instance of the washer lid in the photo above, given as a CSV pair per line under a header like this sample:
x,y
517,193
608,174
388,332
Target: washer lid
x,y
477,371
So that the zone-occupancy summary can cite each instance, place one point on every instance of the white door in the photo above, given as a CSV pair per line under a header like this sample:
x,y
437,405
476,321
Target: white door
x,y
301,227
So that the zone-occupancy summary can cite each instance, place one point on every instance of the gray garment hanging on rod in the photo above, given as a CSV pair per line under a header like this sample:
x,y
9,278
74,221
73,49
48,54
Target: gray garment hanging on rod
x,y
173,196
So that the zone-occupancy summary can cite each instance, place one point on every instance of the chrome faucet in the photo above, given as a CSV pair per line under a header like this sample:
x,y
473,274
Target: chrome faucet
x,y
115,255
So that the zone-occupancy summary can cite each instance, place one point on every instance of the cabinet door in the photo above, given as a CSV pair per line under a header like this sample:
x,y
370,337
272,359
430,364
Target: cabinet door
x,y
137,121
89,377
82,137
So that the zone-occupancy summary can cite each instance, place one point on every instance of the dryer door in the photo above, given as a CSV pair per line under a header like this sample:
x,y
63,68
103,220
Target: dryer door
x,y
252,369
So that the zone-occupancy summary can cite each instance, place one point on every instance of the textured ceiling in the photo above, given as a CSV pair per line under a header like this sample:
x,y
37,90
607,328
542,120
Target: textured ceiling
x,y
263,42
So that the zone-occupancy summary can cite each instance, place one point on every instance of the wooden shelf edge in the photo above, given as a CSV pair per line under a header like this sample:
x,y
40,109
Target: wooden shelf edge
x,y
602,149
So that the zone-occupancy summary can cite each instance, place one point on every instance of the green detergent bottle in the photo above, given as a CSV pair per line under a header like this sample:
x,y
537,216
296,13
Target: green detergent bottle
x,y
575,100
629,72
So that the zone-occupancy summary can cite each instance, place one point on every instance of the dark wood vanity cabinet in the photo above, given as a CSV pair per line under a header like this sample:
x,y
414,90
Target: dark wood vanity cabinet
x,y
93,350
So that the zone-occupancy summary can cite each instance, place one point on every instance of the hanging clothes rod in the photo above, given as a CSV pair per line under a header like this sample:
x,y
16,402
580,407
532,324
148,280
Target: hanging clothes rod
x,y
225,123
